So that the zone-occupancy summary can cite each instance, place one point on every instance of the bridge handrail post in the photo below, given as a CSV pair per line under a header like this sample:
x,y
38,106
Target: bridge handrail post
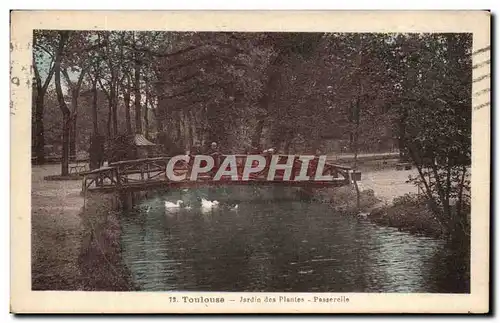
x,y
217,156
84,184
354,175
166,164
116,171
99,180
296,166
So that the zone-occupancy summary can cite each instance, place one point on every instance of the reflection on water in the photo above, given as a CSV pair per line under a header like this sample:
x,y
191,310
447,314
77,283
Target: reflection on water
x,y
264,240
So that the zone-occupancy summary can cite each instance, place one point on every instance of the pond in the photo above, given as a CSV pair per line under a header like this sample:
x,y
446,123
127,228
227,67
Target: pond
x,y
272,241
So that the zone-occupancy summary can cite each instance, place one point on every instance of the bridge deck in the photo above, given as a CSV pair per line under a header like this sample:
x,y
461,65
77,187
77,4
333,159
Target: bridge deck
x,y
158,184
150,174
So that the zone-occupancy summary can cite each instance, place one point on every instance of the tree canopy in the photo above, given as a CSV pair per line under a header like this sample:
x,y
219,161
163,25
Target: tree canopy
x,y
297,92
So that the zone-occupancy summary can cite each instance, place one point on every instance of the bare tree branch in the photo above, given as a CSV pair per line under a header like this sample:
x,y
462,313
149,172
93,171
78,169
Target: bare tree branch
x,y
103,88
51,54
49,76
164,55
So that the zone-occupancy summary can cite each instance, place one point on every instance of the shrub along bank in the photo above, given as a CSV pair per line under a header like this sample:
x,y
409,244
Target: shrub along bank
x,y
100,260
409,213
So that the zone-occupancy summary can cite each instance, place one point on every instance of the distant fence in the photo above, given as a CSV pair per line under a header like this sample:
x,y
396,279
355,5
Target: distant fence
x,y
349,157
339,157
58,159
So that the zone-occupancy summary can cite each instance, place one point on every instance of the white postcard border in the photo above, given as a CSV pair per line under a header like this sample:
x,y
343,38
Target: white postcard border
x,y
24,300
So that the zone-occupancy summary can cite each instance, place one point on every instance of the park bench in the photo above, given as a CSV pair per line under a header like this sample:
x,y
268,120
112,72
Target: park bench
x,y
79,166
403,166
355,175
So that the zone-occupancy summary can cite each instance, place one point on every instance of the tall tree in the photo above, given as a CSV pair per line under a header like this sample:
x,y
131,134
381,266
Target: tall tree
x,y
286,45
112,59
75,65
43,56
126,100
66,113
137,93
74,89
438,125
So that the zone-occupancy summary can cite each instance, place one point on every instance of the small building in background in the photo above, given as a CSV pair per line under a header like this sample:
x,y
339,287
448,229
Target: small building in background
x,y
143,147
129,147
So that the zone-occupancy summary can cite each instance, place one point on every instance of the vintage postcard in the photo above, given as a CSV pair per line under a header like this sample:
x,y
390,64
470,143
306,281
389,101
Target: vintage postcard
x,y
250,162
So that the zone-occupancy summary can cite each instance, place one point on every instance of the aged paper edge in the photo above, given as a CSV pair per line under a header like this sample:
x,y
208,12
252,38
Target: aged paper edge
x,y
24,300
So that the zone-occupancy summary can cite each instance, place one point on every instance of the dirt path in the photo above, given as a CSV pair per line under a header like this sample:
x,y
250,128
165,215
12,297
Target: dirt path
x,y
56,230
388,184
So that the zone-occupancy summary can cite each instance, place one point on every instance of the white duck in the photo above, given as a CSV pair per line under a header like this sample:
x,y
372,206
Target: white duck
x,y
170,205
234,208
208,205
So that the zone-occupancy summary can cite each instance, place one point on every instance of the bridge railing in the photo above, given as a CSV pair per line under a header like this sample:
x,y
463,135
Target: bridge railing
x,y
104,176
152,170
140,170
329,169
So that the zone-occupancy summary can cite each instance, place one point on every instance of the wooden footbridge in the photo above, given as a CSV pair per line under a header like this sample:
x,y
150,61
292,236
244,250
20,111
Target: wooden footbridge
x,y
151,173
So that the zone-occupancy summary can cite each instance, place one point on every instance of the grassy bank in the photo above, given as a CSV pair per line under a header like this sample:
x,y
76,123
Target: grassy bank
x,y
56,231
72,247
408,213
388,200
100,260
344,199
369,165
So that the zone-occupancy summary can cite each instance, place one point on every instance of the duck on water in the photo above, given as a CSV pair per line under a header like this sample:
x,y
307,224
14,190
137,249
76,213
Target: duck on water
x,y
206,206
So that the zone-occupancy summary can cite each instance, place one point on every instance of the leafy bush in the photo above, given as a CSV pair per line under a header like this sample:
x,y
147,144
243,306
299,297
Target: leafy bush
x,y
409,199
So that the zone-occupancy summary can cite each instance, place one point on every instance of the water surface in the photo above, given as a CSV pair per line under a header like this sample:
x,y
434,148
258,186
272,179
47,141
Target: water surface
x,y
273,242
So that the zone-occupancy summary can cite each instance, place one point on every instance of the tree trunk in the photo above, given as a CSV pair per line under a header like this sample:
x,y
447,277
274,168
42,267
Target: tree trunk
x,y
357,116
160,112
356,149
114,101
179,137
189,131
38,101
272,82
72,139
316,141
65,144
286,147
95,121
355,132
128,121
72,125
403,156
39,130
63,36
258,132
137,97
159,123
110,132
461,191
192,128
74,89
146,118
417,160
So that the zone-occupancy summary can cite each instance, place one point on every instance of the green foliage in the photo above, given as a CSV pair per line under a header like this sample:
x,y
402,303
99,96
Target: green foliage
x,y
292,91
435,118
409,200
